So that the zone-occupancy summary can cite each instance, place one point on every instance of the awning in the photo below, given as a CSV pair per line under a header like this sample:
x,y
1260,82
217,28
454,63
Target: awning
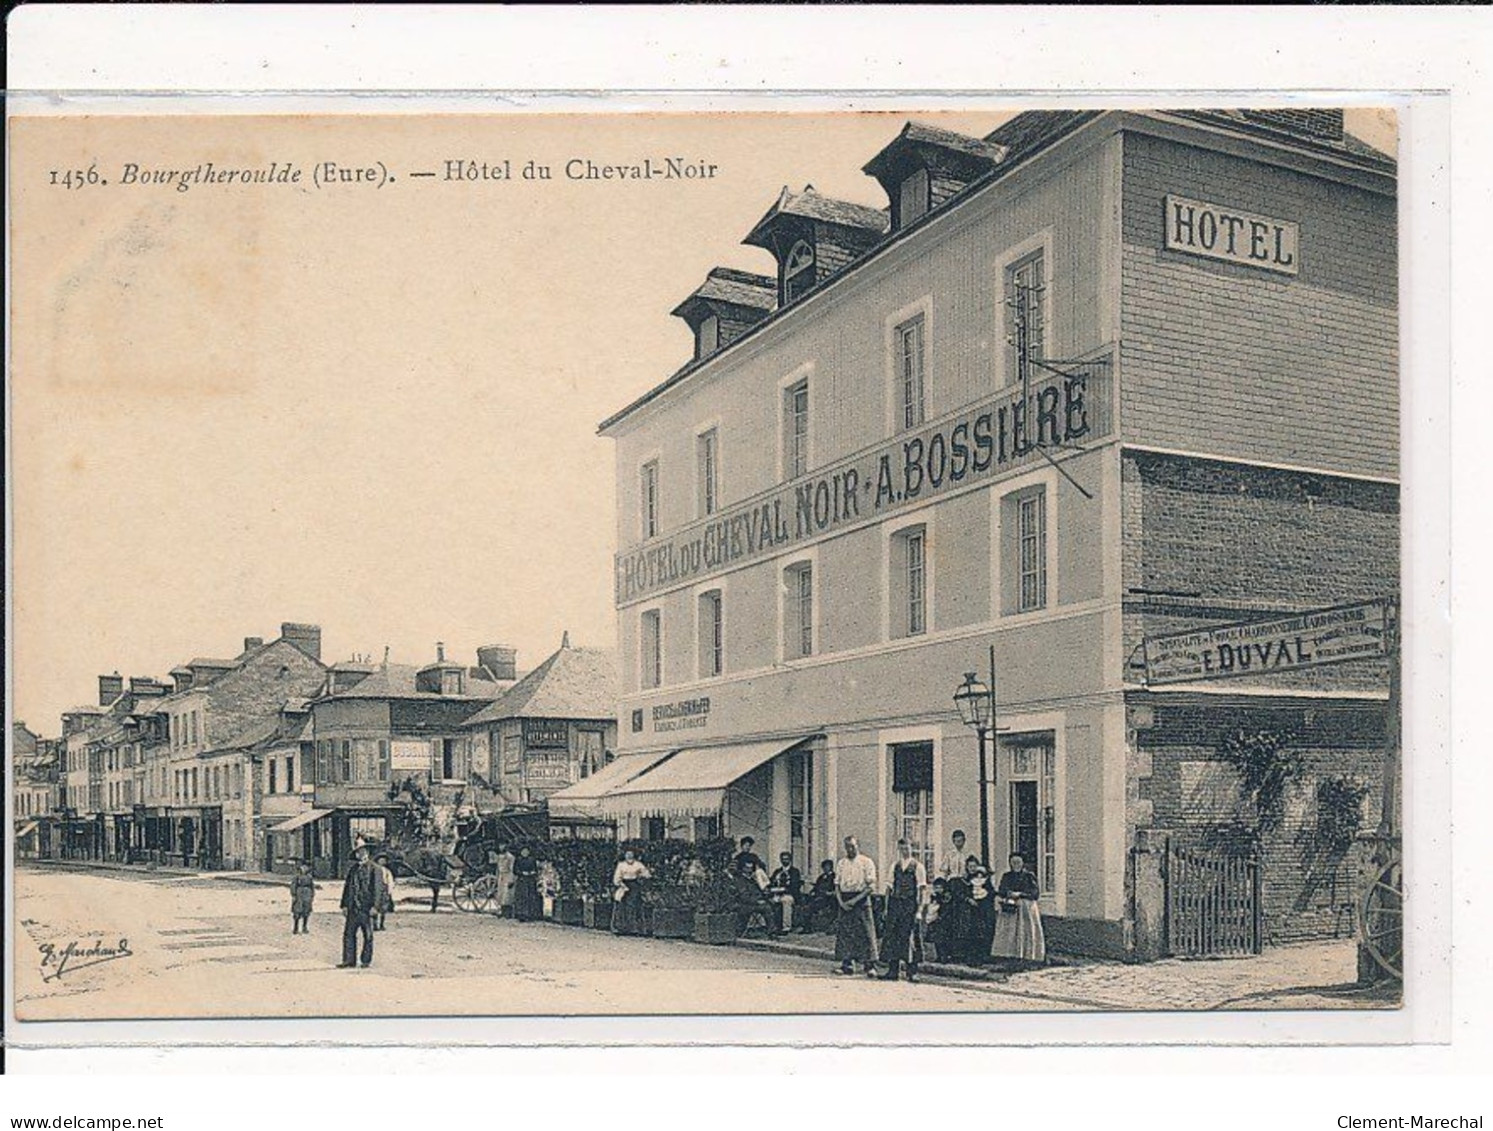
x,y
692,782
583,797
299,820
26,830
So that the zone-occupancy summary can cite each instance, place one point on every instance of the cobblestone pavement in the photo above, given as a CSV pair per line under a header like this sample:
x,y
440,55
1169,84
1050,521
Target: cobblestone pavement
x,y
203,946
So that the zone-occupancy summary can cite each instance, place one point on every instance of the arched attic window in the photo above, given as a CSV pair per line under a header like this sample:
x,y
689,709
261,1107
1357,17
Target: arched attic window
x,y
798,270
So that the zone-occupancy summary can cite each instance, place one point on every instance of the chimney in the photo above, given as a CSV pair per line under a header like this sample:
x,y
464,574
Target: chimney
x,y
306,637
500,661
252,642
183,677
440,651
110,688
146,685
565,640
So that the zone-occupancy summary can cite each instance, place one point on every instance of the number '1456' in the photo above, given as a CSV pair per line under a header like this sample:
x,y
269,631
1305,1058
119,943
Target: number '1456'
x,y
76,178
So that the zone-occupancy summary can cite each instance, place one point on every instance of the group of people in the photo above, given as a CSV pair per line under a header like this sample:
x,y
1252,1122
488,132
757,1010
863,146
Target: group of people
x,y
367,898
961,913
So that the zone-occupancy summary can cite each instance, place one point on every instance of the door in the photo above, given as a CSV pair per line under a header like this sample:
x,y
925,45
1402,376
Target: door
x,y
801,808
1024,821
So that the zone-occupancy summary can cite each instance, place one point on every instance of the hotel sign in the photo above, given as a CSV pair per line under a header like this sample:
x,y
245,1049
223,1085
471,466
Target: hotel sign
x,y
1216,232
1309,640
977,445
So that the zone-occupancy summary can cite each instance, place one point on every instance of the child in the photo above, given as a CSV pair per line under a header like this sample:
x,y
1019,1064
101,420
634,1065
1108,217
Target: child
x,y
302,892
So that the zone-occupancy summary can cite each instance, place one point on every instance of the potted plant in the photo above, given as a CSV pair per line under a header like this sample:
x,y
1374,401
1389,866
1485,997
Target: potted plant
x,y
715,913
674,891
598,857
570,904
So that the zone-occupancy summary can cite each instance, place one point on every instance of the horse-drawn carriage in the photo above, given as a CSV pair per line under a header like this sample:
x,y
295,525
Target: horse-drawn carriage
x,y
461,853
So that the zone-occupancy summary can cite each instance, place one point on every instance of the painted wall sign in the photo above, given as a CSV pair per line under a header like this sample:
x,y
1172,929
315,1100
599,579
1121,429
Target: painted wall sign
x,y
546,733
980,443
686,714
1308,640
1216,232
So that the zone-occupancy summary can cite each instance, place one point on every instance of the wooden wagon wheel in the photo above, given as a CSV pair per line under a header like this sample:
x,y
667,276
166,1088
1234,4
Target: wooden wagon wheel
x,y
1381,920
462,894
485,893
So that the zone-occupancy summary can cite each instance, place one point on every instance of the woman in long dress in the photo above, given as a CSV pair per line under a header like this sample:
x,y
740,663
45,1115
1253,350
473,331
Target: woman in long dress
x,y
627,891
527,904
1018,928
982,914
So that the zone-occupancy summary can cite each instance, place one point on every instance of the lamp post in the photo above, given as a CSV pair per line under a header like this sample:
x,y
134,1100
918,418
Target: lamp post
x,y
976,704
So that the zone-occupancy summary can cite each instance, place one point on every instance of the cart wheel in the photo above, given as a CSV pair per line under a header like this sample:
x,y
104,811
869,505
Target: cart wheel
x,y
462,896
1381,920
485,893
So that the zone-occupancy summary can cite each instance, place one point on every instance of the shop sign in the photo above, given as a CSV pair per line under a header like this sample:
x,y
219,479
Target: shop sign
x,y
979,444
686,714
1308,640
547,772
1216,232
546,733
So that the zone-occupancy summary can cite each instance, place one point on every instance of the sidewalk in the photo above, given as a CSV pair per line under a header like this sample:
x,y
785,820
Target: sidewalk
x,y
1312,975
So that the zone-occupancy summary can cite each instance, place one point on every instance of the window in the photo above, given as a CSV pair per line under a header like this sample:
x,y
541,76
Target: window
x,y
448,758
798,271
290,774
912,197
707,828
1032,532
345,760
1024,550
274,786
712,636
912,783
798,611
707,461
589,747
909,358
801,805
652,649
796,429
908,588
650,498
708,336
1024,311
321,768
654,828
383,767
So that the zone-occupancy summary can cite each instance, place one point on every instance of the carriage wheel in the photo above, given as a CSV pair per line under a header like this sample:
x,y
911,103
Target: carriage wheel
x,y
462,895
485,893
1381,920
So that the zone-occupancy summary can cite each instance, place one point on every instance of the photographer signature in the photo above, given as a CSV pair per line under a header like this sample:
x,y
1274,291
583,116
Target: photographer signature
x,y
76,956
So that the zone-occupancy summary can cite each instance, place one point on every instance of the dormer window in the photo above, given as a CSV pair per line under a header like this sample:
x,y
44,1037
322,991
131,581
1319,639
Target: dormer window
x,y
912,197
798,271
708,336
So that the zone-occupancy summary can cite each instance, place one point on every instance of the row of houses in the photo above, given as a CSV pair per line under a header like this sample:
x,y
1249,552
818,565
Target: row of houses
x,y
274,758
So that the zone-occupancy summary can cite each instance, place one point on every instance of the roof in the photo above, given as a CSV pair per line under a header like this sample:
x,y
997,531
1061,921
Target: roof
x,y
201,662
397,681
917,133
574,683
1020,137
813,205
739,288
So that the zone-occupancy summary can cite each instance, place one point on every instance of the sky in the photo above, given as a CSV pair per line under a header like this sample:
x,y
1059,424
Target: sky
x,y
368,408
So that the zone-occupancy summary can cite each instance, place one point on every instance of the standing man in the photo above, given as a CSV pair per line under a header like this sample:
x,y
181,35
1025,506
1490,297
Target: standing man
x,y
905,898
952,864
855,930
361,895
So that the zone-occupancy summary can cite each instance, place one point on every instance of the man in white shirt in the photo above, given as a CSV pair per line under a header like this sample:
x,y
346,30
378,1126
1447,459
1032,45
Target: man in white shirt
x,y
855,930
953,860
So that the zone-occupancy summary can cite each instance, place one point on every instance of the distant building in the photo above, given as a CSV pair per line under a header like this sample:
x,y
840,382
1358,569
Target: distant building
x,y
556,726
376,727
34,773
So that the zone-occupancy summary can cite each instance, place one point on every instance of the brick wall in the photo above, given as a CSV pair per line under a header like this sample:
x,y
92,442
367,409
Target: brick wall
x,y
1305,893
1213,543
1231,360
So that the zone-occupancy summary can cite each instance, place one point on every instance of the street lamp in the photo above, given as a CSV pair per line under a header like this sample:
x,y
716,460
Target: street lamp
x,y
976,704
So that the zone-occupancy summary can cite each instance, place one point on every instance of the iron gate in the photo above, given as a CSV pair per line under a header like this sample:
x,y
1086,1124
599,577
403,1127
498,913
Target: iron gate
x,y
1212,904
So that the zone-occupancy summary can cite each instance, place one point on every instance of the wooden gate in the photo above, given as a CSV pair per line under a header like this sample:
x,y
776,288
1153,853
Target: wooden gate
x,y
1212,904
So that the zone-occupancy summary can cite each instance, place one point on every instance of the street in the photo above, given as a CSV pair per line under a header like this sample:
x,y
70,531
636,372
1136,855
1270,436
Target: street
x,y
156,946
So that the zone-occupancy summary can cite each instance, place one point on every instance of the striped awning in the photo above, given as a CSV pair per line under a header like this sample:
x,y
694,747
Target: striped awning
x,y
583,798
692,782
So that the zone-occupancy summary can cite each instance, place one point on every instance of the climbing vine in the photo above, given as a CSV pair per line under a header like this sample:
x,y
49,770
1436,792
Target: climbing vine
x,y
1266,766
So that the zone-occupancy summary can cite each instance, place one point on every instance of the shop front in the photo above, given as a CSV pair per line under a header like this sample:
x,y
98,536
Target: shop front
x,y
305,838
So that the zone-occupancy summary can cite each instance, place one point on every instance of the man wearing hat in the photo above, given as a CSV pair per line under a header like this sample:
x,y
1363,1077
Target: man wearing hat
x,y
362,893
